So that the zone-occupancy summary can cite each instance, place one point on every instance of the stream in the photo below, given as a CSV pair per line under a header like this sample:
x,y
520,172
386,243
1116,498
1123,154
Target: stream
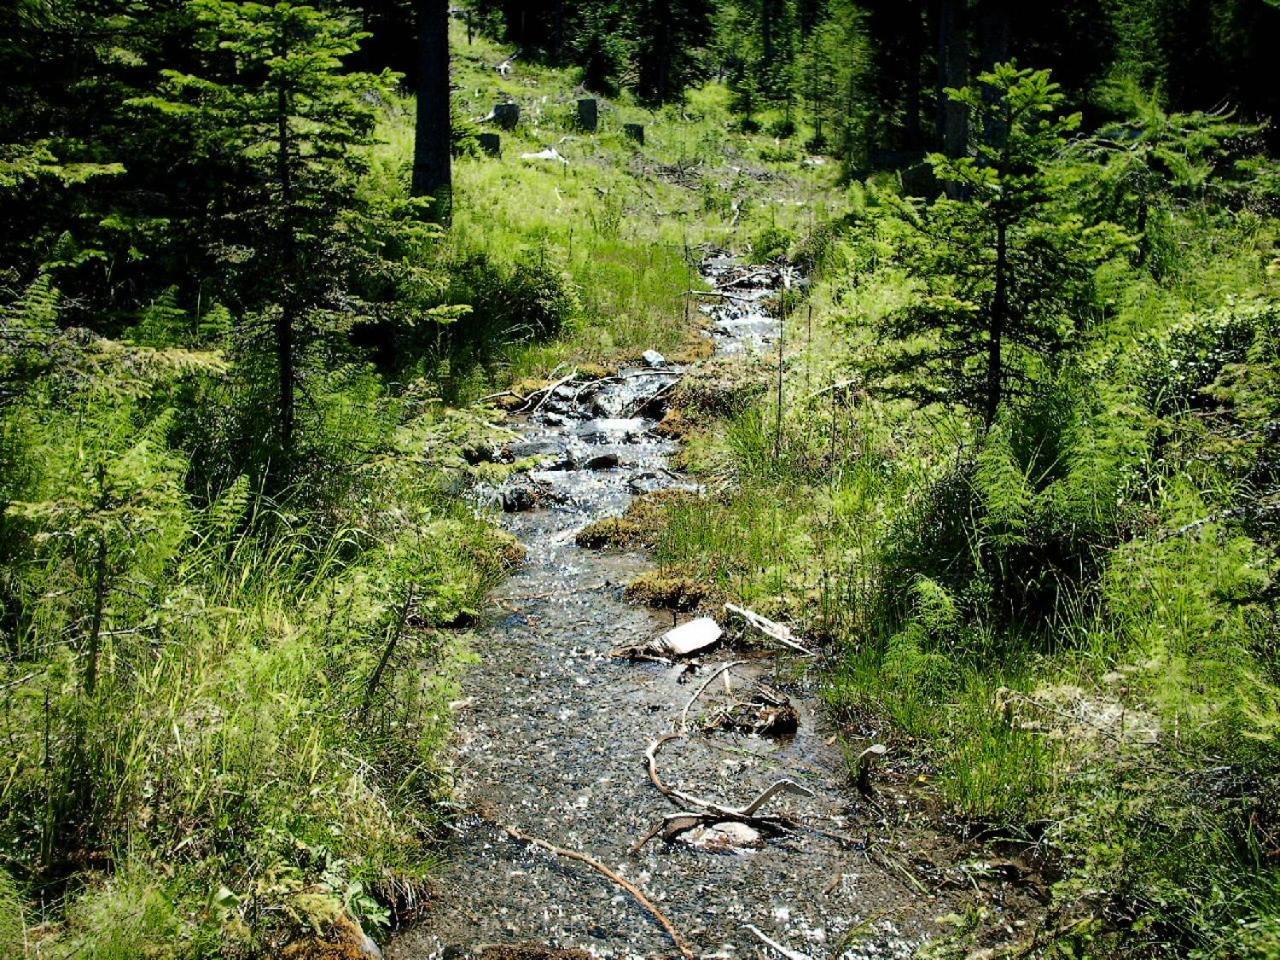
x,y
552,734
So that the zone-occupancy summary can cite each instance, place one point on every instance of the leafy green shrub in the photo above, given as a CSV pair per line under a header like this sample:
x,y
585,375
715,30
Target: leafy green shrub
x,y
910,667
783,128
771,243
779,153
715,198
531,299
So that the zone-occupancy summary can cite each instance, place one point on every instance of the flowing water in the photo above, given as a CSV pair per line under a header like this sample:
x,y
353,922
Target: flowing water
x,y
552,736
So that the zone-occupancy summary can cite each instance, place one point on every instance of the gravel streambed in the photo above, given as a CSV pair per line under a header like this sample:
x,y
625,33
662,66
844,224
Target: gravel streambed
x,y
553,733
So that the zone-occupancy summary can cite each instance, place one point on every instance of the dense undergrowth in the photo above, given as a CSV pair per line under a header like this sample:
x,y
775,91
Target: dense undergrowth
x,y
227,664
1068,619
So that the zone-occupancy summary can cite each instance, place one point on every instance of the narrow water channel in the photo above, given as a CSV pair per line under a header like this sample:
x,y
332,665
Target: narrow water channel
x,y
553,734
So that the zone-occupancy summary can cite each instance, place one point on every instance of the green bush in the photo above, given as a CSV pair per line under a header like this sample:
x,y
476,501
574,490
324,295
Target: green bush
x,y
771,243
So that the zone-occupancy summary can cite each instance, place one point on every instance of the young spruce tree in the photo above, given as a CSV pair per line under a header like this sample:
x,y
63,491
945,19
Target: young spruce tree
x,y
1005,270
272,115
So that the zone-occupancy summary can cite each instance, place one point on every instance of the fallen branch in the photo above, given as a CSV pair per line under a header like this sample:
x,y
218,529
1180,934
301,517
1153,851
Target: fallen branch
x,y
503,393
785,951
721,294
777,631
637,894
838,385
684,714
546,392
745,813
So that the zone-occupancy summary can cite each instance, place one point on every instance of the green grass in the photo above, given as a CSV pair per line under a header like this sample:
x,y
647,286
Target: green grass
x,y
627,222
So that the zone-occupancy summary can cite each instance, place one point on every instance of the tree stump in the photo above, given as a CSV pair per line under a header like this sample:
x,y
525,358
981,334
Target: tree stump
x,y
635,131
490,143
589,114
506,115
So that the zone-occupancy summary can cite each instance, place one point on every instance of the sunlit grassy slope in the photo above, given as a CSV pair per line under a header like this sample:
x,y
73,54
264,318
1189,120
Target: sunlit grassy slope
x,y
627,221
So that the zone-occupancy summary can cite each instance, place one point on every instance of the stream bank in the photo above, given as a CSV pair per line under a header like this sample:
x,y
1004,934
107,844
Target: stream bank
x,y
552,736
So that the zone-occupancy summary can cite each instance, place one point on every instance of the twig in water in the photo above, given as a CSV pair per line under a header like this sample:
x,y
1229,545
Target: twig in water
x,y
785,951
548,391
681,944
684,714
745,814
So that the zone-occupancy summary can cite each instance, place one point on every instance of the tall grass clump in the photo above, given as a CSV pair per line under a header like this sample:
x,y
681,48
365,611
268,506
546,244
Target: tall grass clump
x,y
223,711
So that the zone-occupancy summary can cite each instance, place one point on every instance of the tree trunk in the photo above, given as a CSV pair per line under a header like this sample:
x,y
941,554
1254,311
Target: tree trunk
x,y
768,16
432,169
994,30
913,136
289,278
557,29
953,71
995,331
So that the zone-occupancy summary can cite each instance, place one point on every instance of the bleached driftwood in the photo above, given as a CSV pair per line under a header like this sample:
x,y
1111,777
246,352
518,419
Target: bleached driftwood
x,y
551,153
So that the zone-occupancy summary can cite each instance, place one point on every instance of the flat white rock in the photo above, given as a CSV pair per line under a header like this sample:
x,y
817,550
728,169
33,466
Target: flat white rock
x,y
724,837
691,637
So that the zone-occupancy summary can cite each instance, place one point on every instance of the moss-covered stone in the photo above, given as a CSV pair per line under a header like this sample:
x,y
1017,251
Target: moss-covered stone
x,y
670,591
722,387
640,527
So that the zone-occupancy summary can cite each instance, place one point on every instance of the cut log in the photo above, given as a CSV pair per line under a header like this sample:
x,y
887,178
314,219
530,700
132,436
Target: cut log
x,y
863,766
506,115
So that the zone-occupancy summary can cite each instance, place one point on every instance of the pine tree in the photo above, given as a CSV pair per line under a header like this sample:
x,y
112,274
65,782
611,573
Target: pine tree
x,y
1140,167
